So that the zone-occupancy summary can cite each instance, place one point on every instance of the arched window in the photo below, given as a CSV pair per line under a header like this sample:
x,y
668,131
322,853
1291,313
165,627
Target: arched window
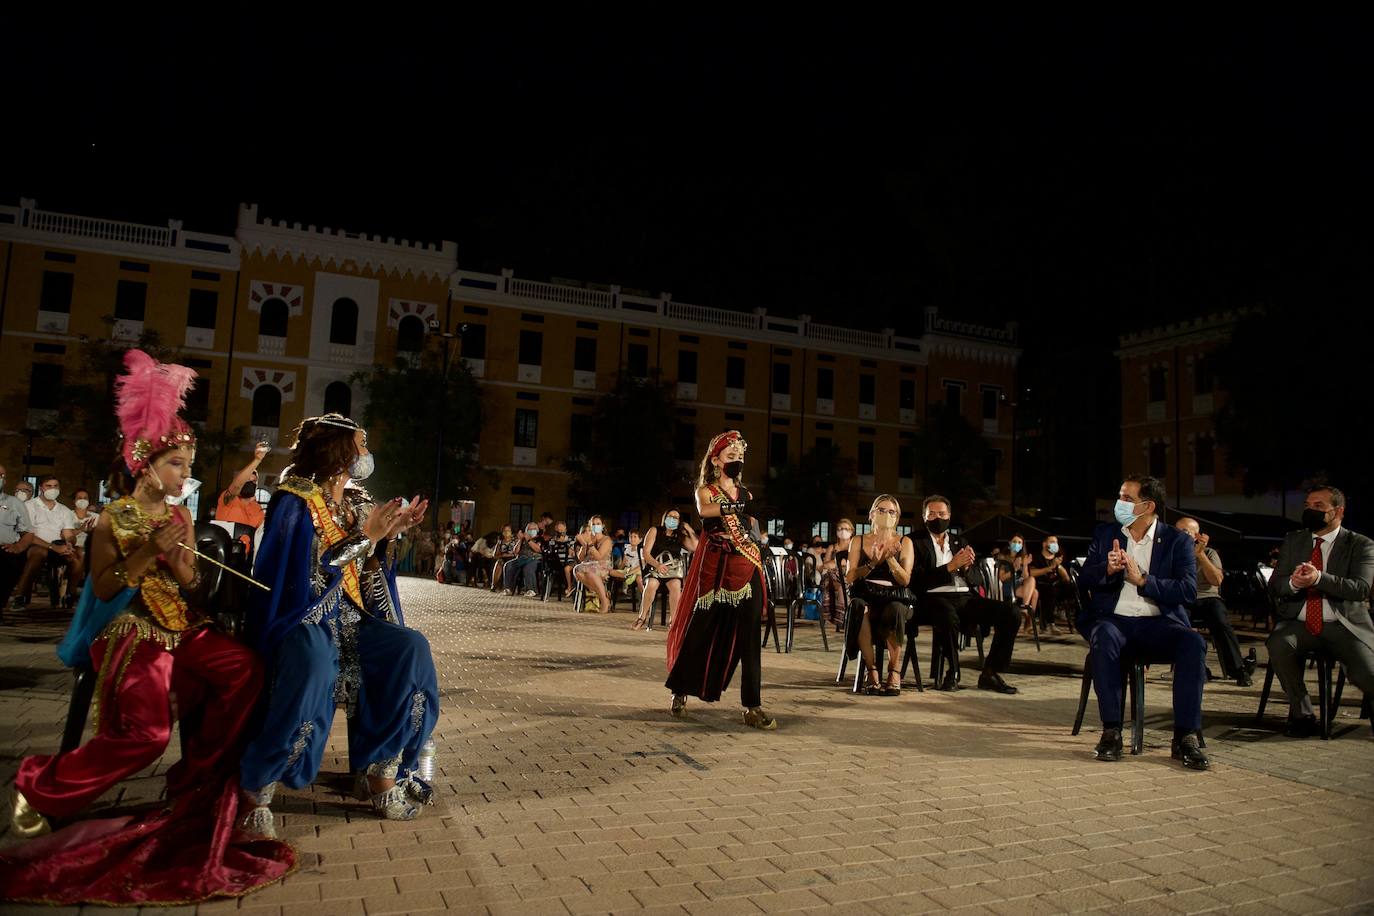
x,y
410,335
272,318
338,398
267,406
343,322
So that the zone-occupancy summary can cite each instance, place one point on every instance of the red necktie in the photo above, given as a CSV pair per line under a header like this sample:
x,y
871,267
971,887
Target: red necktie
x,y
1314,597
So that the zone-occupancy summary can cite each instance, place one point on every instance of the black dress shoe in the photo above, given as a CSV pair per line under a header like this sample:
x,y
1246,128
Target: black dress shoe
x,y
1243,679
951,681
990,680
1302,727
1109,748
1191,753
1250,661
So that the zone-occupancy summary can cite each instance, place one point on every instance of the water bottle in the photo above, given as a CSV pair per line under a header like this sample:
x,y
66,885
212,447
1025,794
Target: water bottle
x,y
425,763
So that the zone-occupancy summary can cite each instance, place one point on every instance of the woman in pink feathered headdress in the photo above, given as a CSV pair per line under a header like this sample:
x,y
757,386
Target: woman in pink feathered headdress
x,y
135,627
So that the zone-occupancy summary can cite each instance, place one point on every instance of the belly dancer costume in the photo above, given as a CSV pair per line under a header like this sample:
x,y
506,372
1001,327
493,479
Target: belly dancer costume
x,y
333,634
717,622
146,643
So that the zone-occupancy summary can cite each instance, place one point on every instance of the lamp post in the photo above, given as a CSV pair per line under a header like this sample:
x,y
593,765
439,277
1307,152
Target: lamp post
x,y
448,337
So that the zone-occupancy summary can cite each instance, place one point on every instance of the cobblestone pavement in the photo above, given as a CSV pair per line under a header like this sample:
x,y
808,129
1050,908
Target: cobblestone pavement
x,y
565,787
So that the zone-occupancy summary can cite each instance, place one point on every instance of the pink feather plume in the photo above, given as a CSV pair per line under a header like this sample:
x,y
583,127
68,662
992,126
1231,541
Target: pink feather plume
x,y
148,398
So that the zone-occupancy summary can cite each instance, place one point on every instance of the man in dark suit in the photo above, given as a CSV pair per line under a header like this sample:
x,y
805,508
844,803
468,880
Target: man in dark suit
x,y
1138,577
1322,584
944,578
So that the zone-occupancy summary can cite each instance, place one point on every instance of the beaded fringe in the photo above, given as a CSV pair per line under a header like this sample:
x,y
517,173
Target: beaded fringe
x,y
731,597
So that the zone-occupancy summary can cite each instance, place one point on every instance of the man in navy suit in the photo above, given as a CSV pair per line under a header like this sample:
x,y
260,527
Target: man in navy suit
x,y
1138,577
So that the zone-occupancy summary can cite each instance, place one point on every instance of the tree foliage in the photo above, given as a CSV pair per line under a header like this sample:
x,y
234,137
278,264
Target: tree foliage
x,y
818,488
950,455
408,406
629,465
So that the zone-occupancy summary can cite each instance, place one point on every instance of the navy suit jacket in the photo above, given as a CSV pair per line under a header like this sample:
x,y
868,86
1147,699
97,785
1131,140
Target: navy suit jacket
x,y
1171,581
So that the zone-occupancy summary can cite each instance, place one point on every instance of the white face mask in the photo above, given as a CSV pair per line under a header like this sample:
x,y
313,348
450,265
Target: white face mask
x,y
23,495
190,486
51,494
82,503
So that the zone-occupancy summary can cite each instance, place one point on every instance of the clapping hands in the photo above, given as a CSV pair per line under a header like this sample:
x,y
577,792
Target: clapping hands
x,y
1306,575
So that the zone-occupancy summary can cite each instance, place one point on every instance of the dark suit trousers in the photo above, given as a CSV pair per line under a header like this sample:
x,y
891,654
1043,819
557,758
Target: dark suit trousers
x,y
1291,641
969,610
11,567
1155,639
1211,614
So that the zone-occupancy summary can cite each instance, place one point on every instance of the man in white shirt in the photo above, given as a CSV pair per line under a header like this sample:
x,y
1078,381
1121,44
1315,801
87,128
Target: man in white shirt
x,y
1140,575
1322,582
54,534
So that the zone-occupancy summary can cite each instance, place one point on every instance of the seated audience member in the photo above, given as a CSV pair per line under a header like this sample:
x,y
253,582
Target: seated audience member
x,y
481,556
834,565
506,549
1021,584
15,539
945,575
1208,610
525,565
54,540
664,555
879,575
627,569
1051,582
594,564
1139,577
558,558
1322,584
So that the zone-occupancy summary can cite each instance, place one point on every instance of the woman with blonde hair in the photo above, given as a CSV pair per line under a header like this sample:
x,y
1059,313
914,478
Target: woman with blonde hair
x,y
879,573
594,553
716,627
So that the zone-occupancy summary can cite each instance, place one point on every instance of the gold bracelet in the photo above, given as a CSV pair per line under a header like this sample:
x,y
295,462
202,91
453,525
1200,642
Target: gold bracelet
x,y
121,574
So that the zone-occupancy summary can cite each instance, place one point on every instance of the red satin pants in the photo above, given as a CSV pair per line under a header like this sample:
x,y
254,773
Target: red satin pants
x,y
216,682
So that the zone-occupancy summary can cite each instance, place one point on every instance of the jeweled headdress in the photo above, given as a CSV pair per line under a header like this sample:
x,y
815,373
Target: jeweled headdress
x,y
148,400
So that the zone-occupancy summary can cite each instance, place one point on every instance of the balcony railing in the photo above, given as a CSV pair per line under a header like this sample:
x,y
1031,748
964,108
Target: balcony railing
x,y
105,229
564,295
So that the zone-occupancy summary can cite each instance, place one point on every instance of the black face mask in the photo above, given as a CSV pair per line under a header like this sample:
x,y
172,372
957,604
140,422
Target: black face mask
x,y
248,490
733,469
937,525
1313,519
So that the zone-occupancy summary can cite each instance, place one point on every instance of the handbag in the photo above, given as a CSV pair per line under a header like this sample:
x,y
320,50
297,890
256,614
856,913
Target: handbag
x,y
873,594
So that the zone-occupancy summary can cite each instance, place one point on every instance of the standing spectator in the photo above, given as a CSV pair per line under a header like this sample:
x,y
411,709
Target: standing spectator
x,y
238,504
54,532
14,539
481,556
1209,611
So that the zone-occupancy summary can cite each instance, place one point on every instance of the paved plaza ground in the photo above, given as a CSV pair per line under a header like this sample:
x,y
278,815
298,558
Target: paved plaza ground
x,y
565,787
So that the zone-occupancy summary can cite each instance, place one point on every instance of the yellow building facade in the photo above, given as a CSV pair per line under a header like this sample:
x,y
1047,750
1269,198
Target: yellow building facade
x,y
278,317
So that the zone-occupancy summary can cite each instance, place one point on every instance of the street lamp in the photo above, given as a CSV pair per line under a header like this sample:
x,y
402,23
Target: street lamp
x,y
448,337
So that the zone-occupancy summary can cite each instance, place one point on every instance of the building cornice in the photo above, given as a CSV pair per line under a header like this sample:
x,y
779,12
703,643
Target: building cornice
x,y
337,247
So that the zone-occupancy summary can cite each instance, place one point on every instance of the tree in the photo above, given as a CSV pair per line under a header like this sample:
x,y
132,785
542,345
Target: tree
x,y
407,407
821,487
629,464
950,457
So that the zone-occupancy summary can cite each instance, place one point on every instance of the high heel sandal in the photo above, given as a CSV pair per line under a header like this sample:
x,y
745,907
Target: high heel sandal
x,y
679,705
892,687
872,686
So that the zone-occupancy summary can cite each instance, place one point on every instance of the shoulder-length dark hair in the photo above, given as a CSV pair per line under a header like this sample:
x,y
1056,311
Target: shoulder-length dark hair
x,y
323,450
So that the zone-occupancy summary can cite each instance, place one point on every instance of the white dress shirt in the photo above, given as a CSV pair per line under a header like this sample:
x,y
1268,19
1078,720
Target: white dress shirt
x,y
48,524
1131,603
943,556
1327,540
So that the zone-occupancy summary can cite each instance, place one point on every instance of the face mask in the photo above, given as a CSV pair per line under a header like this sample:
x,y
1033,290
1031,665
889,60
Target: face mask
x,y
51,494
937,525
670,523
844,534
1313,519
248,490
1052,548
1015,546
531,532
82,503
1124,512
190,486
596,529
23,495
733,469
362,466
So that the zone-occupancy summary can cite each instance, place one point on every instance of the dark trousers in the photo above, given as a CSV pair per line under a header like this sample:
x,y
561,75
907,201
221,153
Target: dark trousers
x,y
11,567
1288,647
1210,613
965,610
1153,639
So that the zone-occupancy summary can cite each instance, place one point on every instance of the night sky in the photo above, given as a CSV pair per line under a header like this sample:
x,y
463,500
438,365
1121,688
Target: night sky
x,y
1080,175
